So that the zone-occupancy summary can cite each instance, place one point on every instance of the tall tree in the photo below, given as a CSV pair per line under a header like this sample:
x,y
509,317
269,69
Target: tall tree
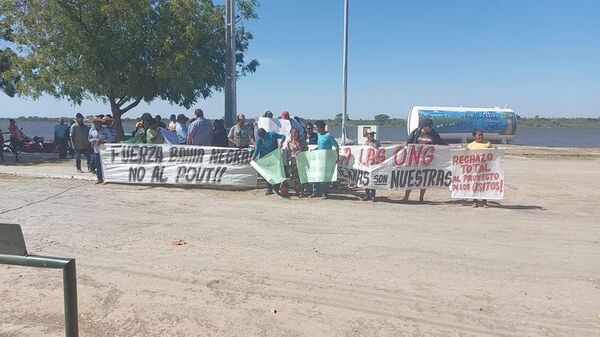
x,y
7,57
123,51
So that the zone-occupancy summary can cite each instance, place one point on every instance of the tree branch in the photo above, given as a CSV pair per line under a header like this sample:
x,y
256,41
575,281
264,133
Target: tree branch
x,y
122,100
74,16
132,105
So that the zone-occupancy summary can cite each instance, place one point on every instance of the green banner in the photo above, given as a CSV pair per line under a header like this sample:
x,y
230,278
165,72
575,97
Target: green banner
x,y
317,166
270,167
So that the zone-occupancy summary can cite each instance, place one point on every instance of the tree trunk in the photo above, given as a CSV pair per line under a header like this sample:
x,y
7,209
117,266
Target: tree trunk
x,y
115,107
118,124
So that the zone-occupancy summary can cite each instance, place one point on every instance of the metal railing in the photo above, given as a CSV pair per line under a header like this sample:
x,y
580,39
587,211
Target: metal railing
x,y
13,252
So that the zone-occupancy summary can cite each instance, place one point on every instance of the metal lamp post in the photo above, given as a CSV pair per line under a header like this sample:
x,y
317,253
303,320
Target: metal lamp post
x,y
345,74
230,65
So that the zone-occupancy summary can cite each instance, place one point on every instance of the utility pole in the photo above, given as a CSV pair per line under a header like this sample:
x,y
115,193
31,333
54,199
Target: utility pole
x,y
345,74
230,65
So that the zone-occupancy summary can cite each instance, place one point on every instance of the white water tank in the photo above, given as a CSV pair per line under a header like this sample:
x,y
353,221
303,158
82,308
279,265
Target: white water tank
x,y
458,123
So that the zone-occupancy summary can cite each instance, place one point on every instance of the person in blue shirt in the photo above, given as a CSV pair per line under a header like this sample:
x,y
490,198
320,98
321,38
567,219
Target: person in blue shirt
x,y
181,129
61,131
325,141
267,142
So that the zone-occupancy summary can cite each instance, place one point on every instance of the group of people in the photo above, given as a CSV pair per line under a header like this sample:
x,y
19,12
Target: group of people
x,y
86,140
426,134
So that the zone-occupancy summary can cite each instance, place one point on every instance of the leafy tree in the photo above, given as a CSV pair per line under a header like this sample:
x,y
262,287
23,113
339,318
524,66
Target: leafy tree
x,y
7,57
123,51
381,118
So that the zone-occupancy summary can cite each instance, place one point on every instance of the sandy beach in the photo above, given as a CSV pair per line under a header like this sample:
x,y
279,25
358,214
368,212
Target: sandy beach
x,y
257,265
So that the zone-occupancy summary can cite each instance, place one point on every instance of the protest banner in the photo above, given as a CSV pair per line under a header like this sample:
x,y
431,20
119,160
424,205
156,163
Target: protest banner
x,y
177,164
280,126
414,166
270,167
317,166
477,174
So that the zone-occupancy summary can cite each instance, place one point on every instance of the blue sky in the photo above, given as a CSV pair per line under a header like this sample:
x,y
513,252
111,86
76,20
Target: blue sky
x,y
536,56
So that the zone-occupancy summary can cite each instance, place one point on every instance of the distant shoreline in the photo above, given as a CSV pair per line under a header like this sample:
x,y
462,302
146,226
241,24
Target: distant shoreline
x,y
534,122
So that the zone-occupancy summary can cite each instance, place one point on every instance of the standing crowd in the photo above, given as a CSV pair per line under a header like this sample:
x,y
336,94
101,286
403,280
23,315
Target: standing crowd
x,y
84,140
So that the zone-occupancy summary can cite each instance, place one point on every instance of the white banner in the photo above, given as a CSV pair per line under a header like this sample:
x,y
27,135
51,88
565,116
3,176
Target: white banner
x,y
478,174
397,168
177,164
418,166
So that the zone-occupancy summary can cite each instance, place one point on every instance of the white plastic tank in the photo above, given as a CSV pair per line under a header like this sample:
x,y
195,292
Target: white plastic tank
x,y
458,123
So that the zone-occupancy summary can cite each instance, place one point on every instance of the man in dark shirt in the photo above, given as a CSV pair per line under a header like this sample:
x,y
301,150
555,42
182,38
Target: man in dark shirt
x,y
425,134
311,136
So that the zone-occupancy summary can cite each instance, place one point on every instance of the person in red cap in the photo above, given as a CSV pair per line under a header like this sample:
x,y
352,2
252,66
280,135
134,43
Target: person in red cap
x,y
295,124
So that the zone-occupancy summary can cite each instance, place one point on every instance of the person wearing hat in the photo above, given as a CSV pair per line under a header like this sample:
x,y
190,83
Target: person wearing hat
x,y
110,125
294,123
239,135
60,138
99,135
78,134
425,134
372,142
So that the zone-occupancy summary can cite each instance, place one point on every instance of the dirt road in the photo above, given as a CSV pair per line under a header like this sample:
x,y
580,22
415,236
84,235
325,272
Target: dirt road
x,y
258,265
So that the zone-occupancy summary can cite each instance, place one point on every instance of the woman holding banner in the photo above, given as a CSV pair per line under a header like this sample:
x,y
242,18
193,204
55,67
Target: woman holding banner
x,y
425,134
477,144
372,142
293,146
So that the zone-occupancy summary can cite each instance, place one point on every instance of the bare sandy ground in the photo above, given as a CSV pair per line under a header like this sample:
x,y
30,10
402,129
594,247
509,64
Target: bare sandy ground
x,y
258,265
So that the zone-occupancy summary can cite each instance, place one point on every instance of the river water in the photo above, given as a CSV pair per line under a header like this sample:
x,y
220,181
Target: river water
x,y
552,137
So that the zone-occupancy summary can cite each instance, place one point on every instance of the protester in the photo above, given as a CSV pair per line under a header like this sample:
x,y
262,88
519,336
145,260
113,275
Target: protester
x,y
267,143
268,114
293,122
311,136
70,148
372,142
294,145
159,122
141,135
325,141
250,128
219,136
78,134
60,138
139,125
99,135
181,129
200,130
239,135
425,134
153,134
1,146
110,125
477,144
172,122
